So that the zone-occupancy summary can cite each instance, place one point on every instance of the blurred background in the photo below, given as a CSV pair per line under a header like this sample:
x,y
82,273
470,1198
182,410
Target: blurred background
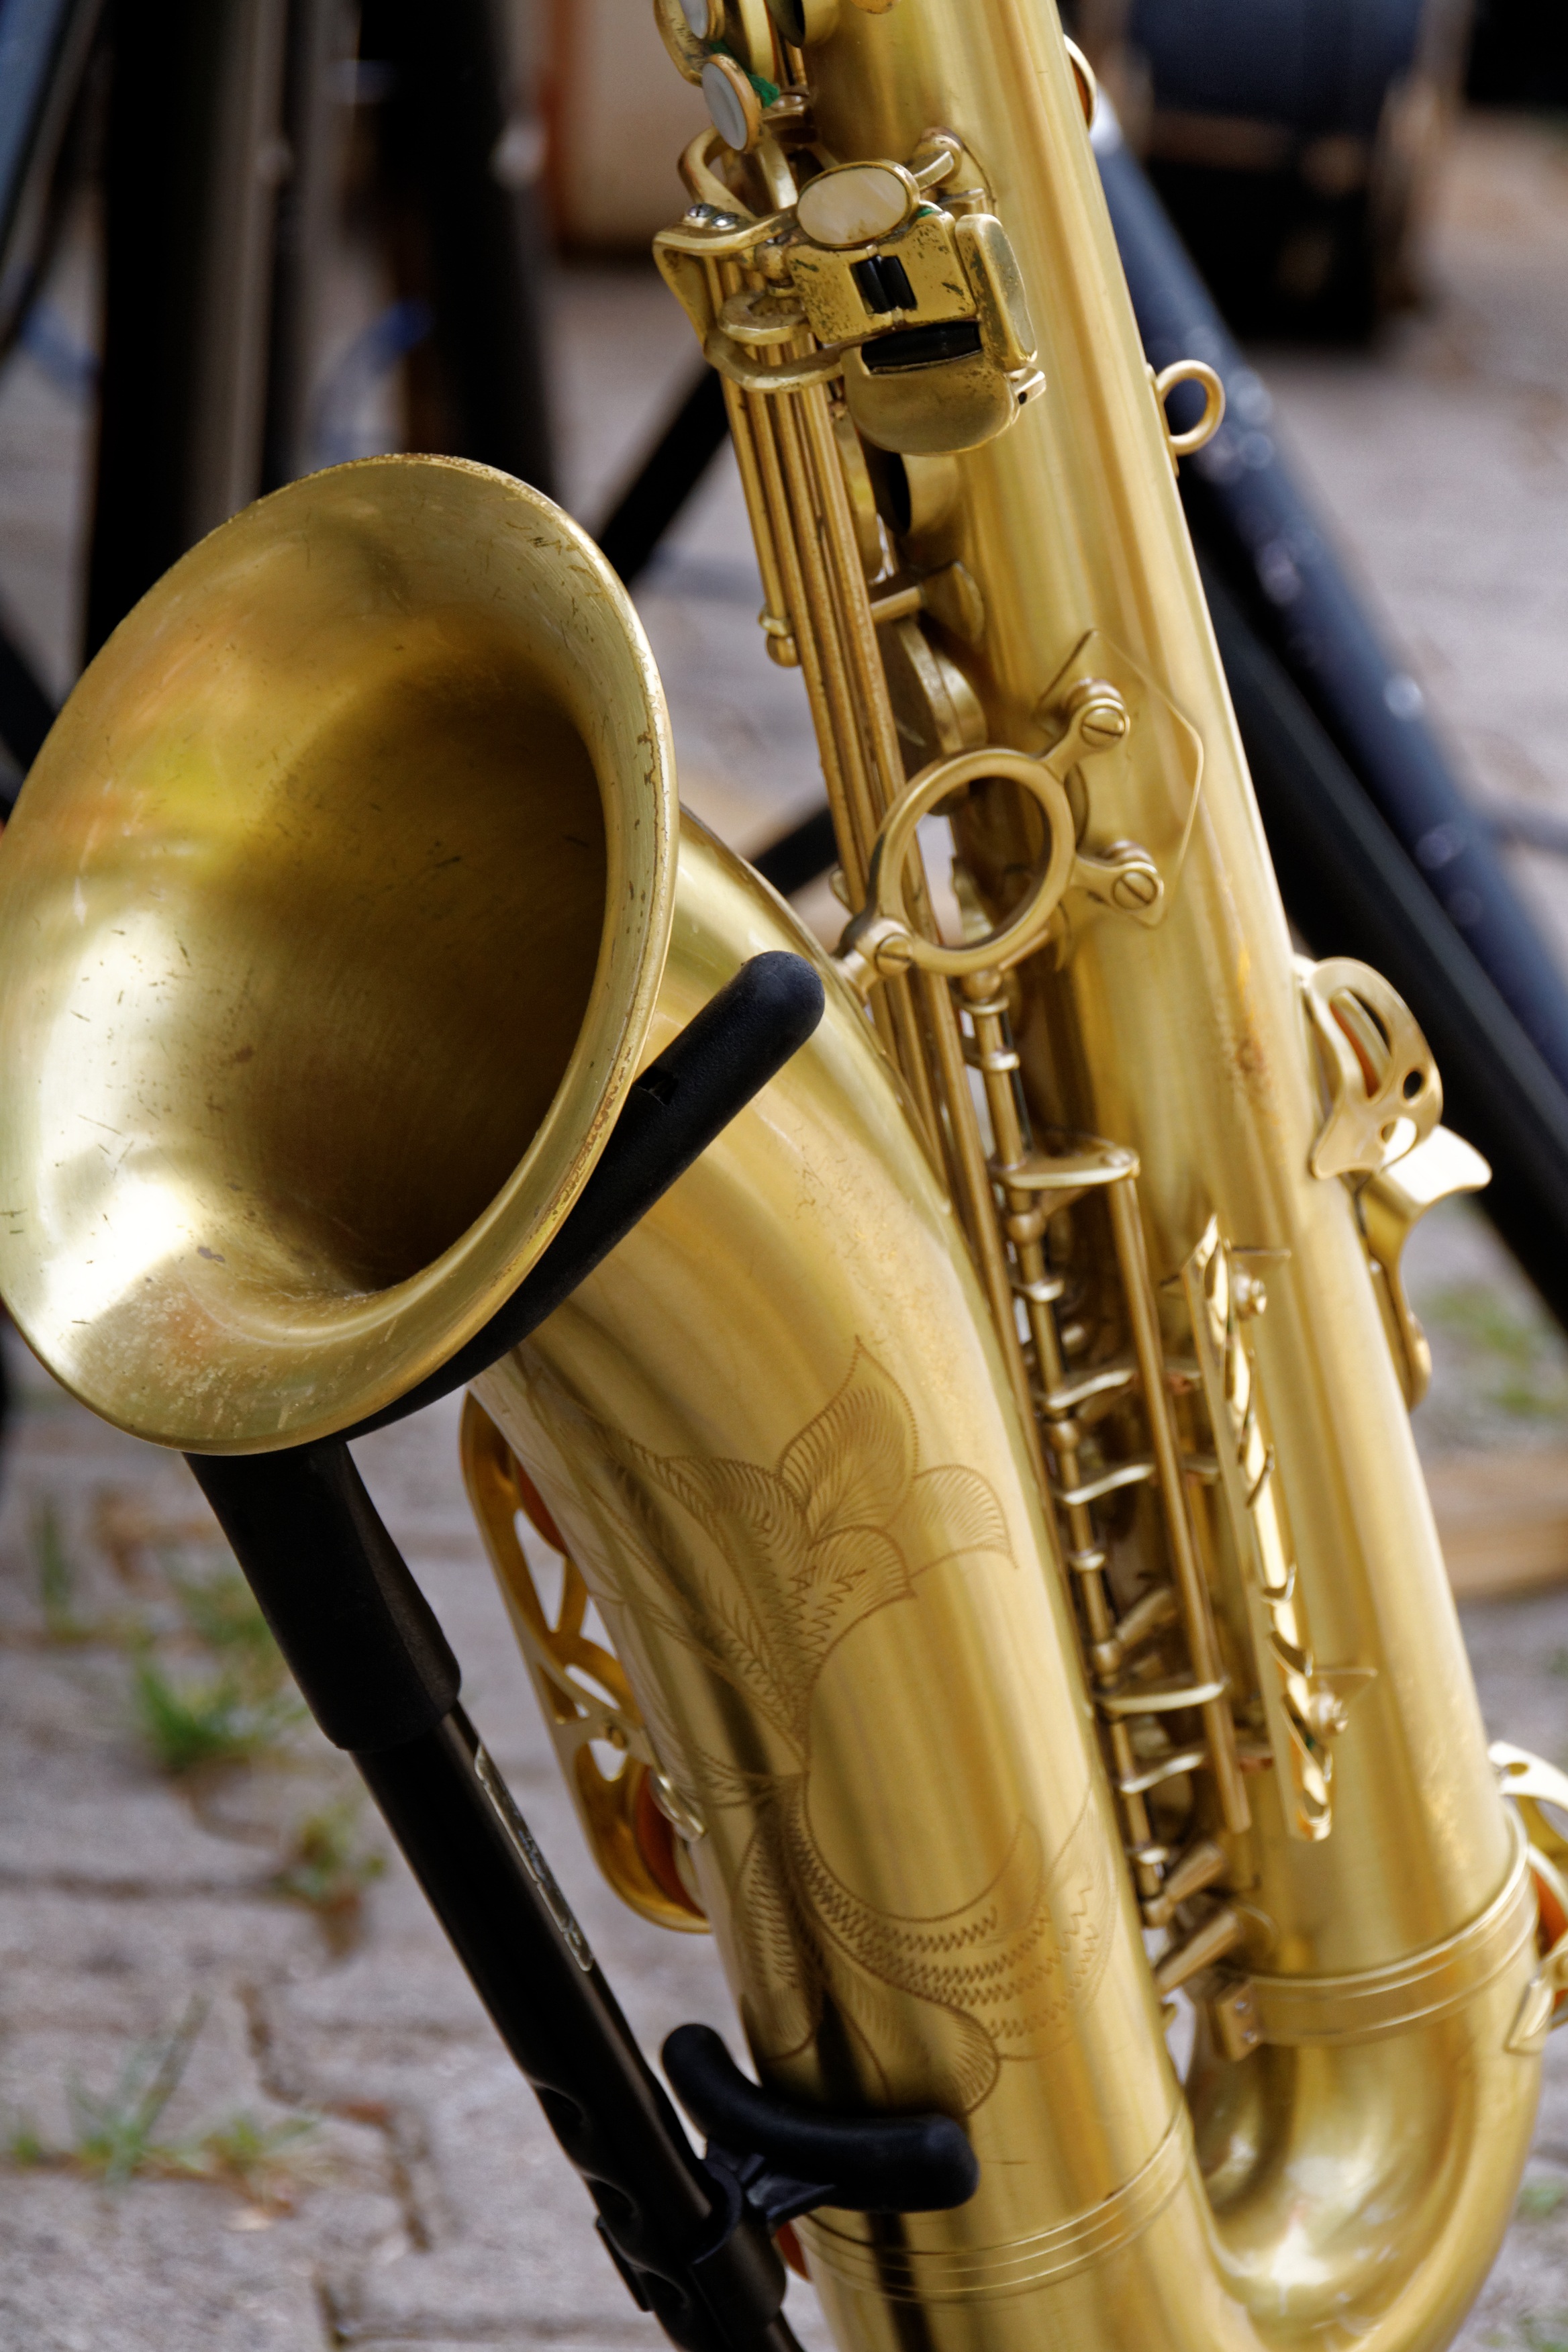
x,y
241,240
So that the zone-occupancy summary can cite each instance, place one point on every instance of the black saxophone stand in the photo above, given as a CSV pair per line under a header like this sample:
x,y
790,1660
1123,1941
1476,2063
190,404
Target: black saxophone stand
x,y
1379,853
691,2235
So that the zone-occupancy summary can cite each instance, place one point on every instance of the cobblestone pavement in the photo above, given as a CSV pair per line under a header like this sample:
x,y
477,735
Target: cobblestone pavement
x,y
427,2204
345,2158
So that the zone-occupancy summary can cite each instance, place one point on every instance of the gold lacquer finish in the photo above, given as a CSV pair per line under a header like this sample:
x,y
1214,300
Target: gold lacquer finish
x,y
1176,1197
322,815
991,1460
812,1523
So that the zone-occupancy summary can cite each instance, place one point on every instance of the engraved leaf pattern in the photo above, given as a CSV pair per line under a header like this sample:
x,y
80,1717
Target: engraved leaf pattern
x,y
851,1466
761,1573
946,1512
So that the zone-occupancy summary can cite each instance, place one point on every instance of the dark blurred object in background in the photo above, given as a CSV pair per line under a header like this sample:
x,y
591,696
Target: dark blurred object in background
x,y
463,166
222,183
195,155
1290,141
27,715
1520,55
44,49
44,46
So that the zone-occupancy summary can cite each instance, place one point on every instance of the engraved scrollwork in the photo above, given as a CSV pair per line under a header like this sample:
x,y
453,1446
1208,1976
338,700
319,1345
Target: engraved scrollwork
x,y
761,1573
1304,1704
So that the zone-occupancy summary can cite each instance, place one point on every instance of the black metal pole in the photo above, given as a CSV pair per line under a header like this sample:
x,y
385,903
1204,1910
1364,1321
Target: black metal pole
x,y
465,161
1251,520
195,155
44,48
27,713
680,455
377,1672
313,121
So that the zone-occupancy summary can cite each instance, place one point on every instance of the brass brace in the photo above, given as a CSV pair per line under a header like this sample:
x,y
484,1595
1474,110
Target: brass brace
x,y
977,2274
1324,2013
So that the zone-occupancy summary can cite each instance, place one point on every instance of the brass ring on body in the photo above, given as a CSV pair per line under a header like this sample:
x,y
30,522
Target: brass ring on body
x,y
1199,371
888,940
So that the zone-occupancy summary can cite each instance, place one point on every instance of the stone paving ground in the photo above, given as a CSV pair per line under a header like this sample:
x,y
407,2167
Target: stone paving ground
x,y
345,2158
426,2203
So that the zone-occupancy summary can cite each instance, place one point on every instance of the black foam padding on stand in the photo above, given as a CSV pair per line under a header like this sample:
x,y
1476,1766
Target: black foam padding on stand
x,y
865,2164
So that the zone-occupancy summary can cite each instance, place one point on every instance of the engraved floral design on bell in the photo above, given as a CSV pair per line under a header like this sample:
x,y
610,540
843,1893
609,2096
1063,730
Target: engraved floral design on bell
x,y
764,1572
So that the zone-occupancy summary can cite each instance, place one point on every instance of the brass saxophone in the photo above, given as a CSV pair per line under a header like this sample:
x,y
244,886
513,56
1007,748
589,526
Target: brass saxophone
x,y
998,1594
948,1710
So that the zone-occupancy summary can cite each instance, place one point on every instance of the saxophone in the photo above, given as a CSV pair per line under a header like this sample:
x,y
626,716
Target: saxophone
x,y
946,1714
1028,1647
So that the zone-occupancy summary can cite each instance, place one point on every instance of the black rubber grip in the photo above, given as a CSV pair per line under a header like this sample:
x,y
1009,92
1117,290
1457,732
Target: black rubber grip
x,y
868,2164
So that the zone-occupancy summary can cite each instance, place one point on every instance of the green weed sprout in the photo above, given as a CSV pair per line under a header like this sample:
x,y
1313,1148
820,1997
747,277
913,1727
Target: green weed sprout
x,y
57,1576
113,2136
188,1725
326,1867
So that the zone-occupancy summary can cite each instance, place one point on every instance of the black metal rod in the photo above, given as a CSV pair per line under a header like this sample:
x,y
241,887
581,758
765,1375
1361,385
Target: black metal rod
x,y
798,856
194,112
476,241
1247,513
360,1638
375,1670
667,477
1351,890
314,131
44,48
26,712
660,2210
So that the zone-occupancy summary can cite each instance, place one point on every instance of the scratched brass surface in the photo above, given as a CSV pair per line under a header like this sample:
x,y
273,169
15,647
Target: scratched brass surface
x,y
1186,1041
316,821
1358,2181
772,1432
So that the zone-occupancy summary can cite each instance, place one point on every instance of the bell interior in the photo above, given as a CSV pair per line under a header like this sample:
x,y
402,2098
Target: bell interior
x,y
362,1010
323,914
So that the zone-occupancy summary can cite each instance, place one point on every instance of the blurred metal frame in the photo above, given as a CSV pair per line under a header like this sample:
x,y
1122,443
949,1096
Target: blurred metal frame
x,y
319,32
469,161
44,49
195,155
222,155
